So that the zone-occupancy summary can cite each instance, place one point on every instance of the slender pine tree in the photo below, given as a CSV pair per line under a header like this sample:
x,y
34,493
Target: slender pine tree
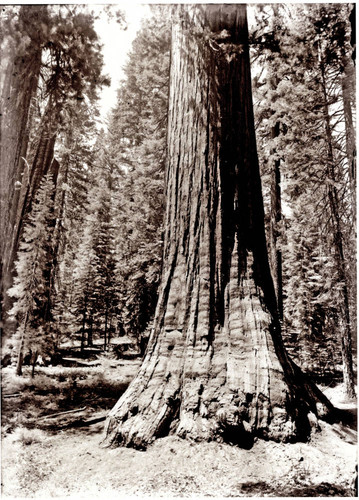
x,y
31,285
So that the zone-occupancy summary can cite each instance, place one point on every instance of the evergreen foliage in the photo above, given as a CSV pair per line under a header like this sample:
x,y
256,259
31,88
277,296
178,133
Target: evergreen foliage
x,y
68,78
137,143
307,57
76,155
94,279
31,287
90,224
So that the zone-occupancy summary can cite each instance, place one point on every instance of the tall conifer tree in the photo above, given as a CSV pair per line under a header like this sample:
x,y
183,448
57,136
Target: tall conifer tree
x,y
31,286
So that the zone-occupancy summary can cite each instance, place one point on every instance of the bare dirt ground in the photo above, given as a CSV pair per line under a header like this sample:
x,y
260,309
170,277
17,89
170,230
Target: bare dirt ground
x,y
46,458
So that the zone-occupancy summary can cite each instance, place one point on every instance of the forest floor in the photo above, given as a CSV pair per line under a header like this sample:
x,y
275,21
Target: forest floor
x,y
46,456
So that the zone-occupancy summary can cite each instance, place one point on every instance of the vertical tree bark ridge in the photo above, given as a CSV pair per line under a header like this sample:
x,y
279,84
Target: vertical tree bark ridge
x,y
42,163
21,73
215,367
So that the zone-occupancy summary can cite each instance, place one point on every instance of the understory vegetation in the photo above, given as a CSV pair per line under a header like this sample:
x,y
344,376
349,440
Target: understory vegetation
x,y
47,450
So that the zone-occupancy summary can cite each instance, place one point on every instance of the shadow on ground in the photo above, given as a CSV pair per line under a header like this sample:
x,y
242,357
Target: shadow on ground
x,y
321,490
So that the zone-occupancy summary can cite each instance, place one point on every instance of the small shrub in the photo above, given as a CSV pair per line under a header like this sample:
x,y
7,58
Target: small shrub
x,y
12,383
28,436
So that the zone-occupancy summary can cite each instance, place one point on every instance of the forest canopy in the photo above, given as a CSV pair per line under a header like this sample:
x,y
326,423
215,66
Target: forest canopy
x,y
83,205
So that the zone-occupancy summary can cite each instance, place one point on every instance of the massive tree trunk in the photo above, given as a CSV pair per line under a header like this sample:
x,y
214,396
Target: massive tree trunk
x,y
215,366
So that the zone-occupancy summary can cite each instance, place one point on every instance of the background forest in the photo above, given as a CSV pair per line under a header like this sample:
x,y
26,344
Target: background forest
x,y
83,204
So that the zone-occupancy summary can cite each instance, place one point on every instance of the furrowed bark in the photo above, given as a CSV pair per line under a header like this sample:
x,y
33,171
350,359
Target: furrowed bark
x,y
215,366
21,73
43,163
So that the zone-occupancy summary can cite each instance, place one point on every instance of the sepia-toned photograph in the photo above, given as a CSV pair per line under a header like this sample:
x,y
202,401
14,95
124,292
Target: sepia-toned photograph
x,y
178,250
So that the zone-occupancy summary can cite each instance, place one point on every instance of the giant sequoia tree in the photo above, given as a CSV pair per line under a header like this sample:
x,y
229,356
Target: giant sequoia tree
x,y
215,366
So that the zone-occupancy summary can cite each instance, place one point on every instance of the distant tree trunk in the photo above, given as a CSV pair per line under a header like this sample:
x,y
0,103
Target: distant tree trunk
x,y
90,332
20,356
275,255
348,93
105,333
34,359
215,366
109,336
20,360
276,217
333,198
60,201
83,329
51,257
18,88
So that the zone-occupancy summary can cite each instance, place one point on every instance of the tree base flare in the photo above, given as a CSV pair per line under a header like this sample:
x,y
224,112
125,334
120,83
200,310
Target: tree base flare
x,y
233,387
227,416
225,391
215,367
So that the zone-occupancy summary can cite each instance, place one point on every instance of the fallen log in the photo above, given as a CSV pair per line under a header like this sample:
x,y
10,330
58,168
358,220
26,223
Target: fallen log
x,y
80,362
63,413
86,423
11,395
94,421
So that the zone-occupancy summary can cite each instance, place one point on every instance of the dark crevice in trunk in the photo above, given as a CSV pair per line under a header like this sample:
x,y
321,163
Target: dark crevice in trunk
x,y
226,363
